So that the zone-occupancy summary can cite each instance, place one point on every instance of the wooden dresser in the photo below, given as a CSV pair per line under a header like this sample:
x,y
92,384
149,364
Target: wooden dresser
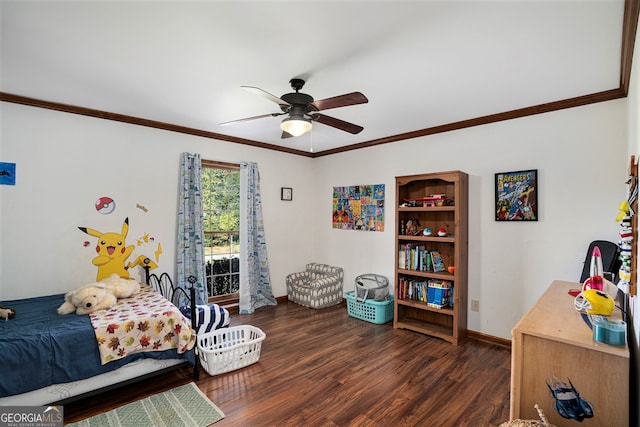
x,y
552,340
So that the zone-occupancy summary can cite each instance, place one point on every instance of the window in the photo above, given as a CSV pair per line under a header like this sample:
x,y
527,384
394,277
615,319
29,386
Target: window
x,y
221,219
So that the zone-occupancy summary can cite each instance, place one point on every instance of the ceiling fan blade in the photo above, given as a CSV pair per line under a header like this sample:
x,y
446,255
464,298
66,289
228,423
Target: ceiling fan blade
x,y
265,94
337,123
345,100
246,119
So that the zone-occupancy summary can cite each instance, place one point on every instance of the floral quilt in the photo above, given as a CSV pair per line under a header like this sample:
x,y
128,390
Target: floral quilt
x,y
146,321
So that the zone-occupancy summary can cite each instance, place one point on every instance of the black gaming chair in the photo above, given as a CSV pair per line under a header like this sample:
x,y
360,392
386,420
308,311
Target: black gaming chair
x,y
610,253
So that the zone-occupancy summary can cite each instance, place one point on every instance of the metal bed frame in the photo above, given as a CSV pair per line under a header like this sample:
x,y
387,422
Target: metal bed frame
x,y
165,286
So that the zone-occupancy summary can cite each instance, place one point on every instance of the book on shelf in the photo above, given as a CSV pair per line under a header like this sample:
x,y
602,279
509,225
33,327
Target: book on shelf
x,y
436,293
428,261
438,263
413,289
415,257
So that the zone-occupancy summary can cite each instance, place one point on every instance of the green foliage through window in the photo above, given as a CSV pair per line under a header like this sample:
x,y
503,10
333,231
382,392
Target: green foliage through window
x,y
221,218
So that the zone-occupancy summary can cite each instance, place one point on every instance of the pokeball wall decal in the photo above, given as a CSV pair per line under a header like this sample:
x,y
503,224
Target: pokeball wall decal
x,y
105,205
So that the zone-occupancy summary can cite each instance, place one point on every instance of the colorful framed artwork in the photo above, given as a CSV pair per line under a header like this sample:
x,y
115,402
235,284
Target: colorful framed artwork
x,y
517,196
358,207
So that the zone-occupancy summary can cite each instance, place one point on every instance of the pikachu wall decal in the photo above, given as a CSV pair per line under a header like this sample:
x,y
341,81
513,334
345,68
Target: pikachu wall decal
x,y
113,253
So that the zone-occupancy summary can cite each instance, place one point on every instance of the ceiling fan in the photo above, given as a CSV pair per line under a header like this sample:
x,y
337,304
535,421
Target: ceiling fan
x,y
302,110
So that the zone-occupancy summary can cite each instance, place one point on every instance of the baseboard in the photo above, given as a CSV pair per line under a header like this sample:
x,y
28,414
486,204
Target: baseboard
x,y
474,335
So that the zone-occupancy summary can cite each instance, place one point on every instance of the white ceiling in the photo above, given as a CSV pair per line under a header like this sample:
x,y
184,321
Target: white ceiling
x,y
420,63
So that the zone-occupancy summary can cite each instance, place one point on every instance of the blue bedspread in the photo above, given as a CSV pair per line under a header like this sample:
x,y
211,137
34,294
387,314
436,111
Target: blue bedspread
x,y
40,347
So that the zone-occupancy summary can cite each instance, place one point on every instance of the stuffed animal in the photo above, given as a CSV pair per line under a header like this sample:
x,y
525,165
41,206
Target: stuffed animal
x,y
98,296
7,313
86,299
120,287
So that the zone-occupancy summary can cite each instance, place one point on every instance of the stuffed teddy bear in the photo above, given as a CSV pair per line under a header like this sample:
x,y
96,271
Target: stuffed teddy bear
x,y
7,313
120,287
98,296
86,299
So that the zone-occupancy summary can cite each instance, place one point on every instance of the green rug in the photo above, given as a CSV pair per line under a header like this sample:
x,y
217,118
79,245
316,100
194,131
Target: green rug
x,y
179,407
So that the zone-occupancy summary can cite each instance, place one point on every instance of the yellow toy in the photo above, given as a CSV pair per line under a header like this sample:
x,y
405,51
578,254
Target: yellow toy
x,y
112,252
623,211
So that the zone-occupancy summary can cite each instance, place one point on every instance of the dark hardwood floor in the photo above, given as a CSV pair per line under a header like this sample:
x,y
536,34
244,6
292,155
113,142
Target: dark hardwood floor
x,y
324,368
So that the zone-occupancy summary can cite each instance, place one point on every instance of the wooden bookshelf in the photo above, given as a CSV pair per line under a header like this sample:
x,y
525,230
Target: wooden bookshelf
x,y
412,269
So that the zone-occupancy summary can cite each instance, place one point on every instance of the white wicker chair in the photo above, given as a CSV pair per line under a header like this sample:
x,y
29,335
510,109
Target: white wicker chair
x,y
319,286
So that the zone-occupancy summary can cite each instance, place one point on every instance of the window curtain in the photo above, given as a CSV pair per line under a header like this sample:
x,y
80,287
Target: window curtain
x,y
255,282
190,252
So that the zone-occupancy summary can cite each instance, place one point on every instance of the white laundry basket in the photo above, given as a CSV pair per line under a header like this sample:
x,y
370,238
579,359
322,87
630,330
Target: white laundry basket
x,y
228,349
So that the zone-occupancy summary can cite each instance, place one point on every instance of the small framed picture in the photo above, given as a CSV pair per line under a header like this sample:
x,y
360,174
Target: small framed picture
x,y
286,193
517,196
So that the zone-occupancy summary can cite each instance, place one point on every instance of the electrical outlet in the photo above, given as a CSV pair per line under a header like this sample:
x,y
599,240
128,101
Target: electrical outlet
x,y
475,305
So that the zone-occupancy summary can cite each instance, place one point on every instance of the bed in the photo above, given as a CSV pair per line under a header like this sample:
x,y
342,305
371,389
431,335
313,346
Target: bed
x,y
47,358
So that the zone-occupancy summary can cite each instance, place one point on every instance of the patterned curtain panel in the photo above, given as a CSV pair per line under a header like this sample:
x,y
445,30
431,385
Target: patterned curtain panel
x,y
255,281
190,253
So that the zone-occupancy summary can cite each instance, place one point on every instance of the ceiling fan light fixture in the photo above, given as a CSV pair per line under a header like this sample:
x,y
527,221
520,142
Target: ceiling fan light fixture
x,y
296,126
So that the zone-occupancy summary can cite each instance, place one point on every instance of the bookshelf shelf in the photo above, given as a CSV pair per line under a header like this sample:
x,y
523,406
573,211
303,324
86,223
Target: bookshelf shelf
x,y
423,306
417,256
427,274
427,239
427,209
437,331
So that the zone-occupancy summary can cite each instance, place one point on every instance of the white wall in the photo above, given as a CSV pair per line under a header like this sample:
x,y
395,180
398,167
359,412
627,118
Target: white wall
x,y
581,157
66,162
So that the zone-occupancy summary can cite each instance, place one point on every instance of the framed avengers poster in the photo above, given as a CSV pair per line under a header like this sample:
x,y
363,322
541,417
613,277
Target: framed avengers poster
x,y
517,196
